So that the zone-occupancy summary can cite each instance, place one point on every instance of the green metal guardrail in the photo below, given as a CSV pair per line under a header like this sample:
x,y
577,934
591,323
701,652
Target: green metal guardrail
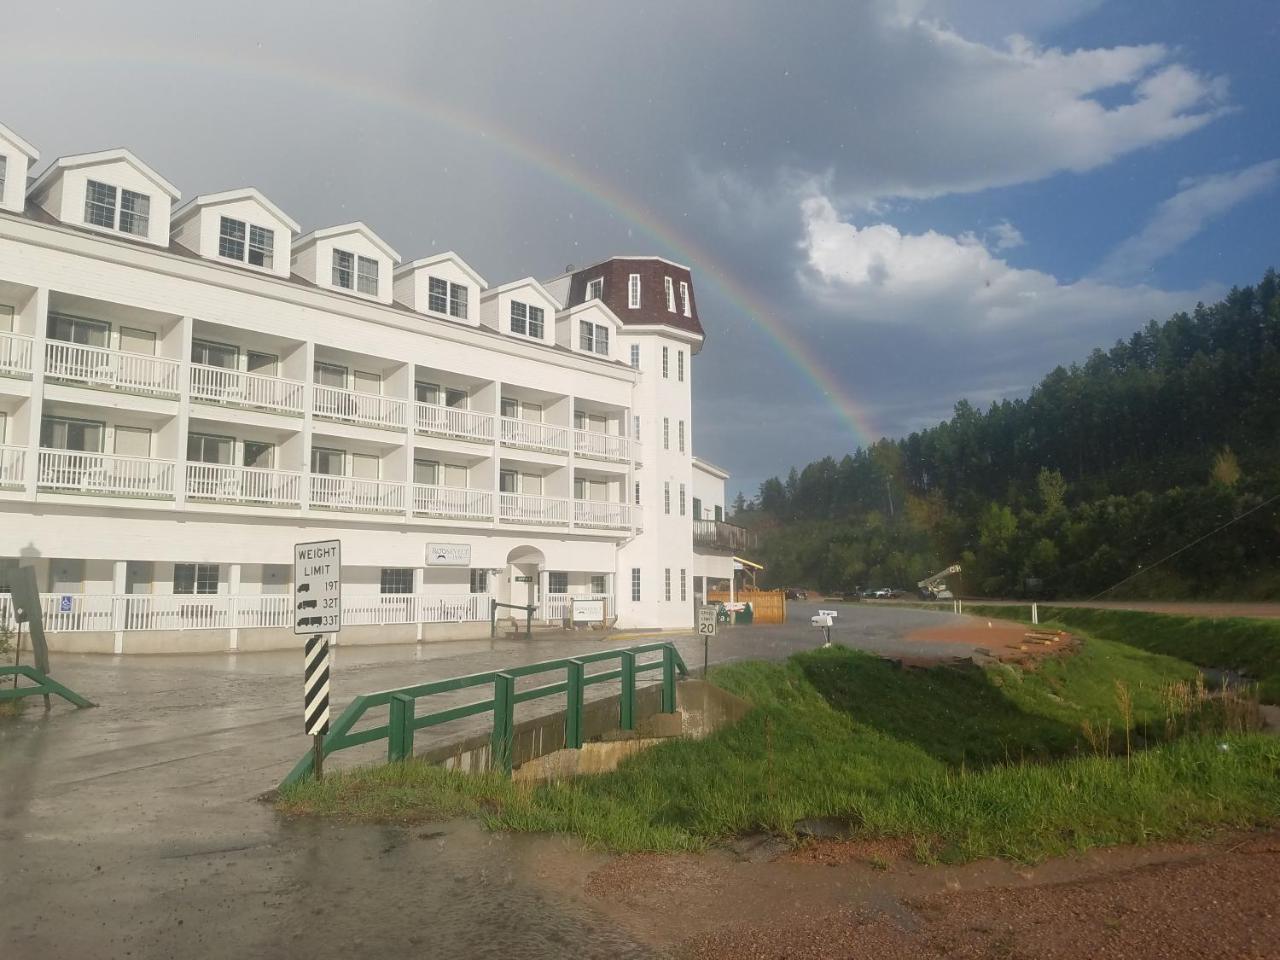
x,y
44,685
402,719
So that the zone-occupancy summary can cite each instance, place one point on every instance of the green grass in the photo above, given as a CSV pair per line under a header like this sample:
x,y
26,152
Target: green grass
x,y
967,762
1250,646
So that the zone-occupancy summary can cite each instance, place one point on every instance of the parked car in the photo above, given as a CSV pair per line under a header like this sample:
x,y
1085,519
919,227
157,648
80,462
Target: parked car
x,y
794,594
881,593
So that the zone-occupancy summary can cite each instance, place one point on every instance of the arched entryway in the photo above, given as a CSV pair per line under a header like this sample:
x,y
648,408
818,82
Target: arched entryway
x,y
524,575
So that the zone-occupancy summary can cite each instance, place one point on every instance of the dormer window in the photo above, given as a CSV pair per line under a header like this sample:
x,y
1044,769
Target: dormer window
x,y
595,289
593,337
671,294
684,297
344,268
446,297
633,292
258,252
100,209
526,319
367,276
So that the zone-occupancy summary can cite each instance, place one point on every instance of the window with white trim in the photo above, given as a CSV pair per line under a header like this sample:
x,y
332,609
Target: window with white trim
x,y
680,365
666,584
680,435
443,296
635,584
666,433
526,319
458,300
666,497
135,213
671,294
637,493
100,208
635,426
682,499
195,578
635,356
557,581
684,298
633,291
595,289
479,581
593,337
599,583
684,584
397,580
259,249
344,269
666,364
367,276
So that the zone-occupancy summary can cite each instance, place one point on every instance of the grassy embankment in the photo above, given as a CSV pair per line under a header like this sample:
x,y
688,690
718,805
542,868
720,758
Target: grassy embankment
x,y
965,762
1250,646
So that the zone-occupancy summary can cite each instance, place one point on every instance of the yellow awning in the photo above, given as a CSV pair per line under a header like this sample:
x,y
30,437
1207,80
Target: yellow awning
x,y
748,563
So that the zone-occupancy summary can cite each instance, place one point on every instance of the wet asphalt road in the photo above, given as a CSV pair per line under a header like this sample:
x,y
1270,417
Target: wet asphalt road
x,y
133,829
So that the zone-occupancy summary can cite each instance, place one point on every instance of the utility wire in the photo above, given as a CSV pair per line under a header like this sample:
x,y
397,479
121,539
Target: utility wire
x,y
1185,547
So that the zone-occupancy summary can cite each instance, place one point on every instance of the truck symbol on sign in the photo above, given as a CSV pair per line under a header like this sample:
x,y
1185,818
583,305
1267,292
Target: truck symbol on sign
x,y
304,588
307,605
309,622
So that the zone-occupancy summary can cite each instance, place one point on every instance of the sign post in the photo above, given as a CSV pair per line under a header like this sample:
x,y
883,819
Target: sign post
x,y
317,611
706,629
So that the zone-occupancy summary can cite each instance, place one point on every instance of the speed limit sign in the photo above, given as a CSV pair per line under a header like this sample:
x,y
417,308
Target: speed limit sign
x,y
707,620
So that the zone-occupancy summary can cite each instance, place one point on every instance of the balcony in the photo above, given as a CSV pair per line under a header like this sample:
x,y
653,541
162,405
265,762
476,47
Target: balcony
x,y
526,508
15,355
353,495
73,471
222,483
453,423
366,409
116,369
13,467
602,514
534,435
452,503
722,537
235,388
602,446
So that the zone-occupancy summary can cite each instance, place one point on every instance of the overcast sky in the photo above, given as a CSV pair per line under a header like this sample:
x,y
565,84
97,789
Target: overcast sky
x,y
926,199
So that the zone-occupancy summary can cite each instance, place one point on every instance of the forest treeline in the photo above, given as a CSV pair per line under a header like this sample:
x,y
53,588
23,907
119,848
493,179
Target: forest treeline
x,y
1107,467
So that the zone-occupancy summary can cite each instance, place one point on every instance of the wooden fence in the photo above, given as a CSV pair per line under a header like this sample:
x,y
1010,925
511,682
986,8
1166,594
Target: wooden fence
x,y
767,606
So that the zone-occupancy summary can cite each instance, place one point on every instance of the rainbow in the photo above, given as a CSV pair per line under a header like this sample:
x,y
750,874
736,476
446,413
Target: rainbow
x,y
555,166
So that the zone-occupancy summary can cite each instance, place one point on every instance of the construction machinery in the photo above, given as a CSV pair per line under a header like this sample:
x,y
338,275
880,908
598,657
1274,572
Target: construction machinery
x,y
935,585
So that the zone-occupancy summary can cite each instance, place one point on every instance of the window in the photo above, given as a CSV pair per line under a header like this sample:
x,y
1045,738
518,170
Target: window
x,y
231,242
231,234
595,289
426,471
557,581
680,435
91,333
327,462
262,246
526,319
330,375
666,433
100,205
205,448
135,213
260,454
344,268
666,584
535,322
397,580
635,584
633,291
635,426
666,497
4,166
666,363
593,337
680,365
635,356
598,583
263,364
367,276
508,481
684,298
437,295
458,301
637,493
697,508
671,294
719,514
684,595
479,581
215,354
65,433
682,499
192,578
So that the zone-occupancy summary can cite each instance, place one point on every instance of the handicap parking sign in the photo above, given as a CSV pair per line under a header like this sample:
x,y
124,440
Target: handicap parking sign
x,y
64,605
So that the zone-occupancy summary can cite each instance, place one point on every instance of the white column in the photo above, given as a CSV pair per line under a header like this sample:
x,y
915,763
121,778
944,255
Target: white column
x,y
419,585
308,403
119,584
36,403
233,588
185,327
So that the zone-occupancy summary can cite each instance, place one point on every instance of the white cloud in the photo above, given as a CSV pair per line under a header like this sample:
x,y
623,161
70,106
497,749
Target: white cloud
x,y
1182,216
1007,236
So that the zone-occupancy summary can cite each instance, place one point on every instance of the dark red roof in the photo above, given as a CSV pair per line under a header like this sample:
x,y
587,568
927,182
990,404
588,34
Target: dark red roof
x,y
653,272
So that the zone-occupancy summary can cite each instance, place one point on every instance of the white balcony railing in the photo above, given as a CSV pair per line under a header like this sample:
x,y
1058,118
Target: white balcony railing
x,y
601,513
356,495
526,508
456,503
557,606
441,421
13,467
380,609
15,355
222,483
76,472
237,388
601,446
368,409
534,435
99,367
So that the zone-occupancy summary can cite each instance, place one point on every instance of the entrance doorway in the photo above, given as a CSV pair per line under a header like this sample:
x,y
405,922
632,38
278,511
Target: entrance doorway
x,y
524,576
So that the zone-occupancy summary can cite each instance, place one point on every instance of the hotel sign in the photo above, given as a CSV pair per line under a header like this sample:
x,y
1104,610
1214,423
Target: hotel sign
x,y
448,554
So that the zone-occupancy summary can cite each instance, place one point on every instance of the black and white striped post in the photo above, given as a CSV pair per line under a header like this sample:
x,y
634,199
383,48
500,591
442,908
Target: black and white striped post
x,y
315,696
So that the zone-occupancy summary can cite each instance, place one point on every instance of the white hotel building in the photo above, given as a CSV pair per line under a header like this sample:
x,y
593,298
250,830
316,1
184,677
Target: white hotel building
x,y
188,389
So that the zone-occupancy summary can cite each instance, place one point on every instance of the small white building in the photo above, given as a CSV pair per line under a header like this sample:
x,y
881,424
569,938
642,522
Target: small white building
x,y
187,390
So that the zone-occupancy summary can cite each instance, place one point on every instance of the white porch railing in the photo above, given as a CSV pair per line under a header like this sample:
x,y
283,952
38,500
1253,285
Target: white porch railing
x,y
15,355
352,406
601,446
453,502
356,495
526,508
381,609
534,435
101,473
556,606
133,372
222,483
13,466
240,389
601,513
441,421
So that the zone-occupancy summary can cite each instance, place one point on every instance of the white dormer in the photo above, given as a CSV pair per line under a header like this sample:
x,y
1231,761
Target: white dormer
x,y
443,286
111,192
237,226
16,157
523,309
590,328
350,258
